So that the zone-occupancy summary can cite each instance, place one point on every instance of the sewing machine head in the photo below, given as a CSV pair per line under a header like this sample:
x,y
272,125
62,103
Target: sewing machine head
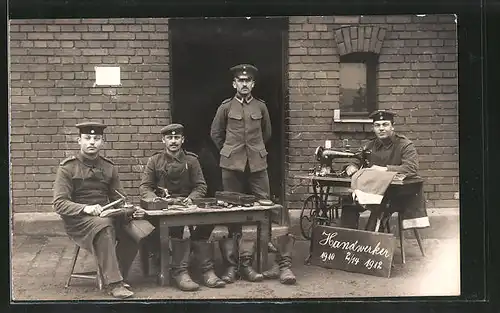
x,y
326,158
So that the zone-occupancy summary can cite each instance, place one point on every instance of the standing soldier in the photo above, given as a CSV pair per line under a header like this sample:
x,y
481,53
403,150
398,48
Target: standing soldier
x,y
84,183
179,172
240,129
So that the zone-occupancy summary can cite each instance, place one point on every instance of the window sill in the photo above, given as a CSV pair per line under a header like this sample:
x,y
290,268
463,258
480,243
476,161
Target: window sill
x,y
352,125
354,120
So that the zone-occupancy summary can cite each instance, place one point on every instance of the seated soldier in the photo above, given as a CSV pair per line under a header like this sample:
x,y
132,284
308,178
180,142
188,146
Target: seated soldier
x,y
84,183
389,151
179,173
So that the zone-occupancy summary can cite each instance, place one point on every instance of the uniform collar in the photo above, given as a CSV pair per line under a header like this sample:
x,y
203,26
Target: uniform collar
x,y
387,143
87,161
242,100
179,157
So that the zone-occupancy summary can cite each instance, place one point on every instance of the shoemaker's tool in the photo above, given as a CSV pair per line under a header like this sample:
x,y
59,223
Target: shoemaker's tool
x,y
234,198
112,204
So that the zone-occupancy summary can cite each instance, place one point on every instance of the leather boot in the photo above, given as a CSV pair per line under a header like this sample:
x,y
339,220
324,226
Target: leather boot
x,y
282,265
180,259
229,252
203,252
247,249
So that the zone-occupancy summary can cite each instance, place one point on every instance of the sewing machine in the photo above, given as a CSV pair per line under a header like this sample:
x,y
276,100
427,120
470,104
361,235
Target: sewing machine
x,y
326,158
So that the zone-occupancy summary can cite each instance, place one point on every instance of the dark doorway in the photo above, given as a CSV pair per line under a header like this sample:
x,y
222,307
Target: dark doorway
x,y
202,51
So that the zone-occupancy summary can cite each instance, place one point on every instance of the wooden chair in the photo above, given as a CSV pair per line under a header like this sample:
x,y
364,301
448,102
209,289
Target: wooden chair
x,y
386,226
94,275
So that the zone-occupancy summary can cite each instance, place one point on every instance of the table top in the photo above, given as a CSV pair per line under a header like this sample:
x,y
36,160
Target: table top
x,y
406,181
196,210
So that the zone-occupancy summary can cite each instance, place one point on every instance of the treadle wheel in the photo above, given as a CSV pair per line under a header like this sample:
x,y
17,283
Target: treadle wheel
x,y
309,215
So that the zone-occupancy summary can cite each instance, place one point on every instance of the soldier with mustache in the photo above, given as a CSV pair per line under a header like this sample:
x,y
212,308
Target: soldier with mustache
x,y
240,129
179,172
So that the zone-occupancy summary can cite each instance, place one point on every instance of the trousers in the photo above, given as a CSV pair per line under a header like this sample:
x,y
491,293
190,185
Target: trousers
x,y
256,184
115,251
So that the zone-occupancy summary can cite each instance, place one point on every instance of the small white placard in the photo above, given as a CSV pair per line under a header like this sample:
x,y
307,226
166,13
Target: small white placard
x,y
328,144
107,76
336,115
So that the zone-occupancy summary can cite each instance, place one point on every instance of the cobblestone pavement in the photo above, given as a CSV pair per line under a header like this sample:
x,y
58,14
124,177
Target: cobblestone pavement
x,y
40,265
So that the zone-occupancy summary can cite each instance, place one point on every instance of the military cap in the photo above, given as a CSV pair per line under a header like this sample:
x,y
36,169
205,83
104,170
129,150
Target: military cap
x,y
91,128
244,70
172,129
381,115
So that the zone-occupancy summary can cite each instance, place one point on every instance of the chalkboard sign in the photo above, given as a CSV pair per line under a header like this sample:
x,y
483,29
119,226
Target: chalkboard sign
x,y
352,250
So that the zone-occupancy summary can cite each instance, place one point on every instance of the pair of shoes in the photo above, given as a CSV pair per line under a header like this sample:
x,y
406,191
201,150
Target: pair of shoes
x,y
119,291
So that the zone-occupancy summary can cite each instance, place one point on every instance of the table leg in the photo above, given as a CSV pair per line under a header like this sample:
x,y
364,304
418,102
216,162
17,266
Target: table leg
x,y
144,257
263,233
259,247
164,275
401,237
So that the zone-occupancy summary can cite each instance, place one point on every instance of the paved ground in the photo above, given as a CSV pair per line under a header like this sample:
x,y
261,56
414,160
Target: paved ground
x,y
40,264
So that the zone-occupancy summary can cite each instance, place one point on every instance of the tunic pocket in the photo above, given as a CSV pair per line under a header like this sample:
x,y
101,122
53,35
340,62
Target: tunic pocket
x,y
235,116
256,116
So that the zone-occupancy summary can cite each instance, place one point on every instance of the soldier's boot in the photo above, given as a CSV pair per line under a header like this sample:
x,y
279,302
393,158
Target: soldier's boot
x,y
180,258
203,251
285,248
229,252
282,265
273,272
247,250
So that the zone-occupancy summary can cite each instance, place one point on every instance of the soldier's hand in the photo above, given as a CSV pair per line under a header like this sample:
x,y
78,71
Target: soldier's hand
x,y
139,213
95,209
351,169
187,201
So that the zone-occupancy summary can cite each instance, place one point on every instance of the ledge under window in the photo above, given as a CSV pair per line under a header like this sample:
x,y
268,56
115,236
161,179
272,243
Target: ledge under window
x,y
351,123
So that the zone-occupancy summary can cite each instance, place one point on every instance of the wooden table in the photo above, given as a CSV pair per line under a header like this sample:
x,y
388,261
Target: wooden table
x,y
255,215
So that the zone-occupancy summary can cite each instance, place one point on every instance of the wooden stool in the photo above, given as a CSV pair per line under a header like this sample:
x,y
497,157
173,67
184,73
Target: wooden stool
x,y
95,275
387,228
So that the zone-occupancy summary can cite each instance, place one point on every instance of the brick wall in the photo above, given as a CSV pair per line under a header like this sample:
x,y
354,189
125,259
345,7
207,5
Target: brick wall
x,y
52,78
417,78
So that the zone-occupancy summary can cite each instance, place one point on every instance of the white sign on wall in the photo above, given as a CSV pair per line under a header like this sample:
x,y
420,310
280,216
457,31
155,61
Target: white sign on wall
x,y
107,76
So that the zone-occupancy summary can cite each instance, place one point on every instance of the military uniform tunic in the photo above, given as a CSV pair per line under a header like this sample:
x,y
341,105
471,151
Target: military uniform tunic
x,y
397,153
240,129
80,182
180,175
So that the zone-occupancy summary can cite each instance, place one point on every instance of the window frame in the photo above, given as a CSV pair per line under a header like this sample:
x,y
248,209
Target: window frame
x,y
370,60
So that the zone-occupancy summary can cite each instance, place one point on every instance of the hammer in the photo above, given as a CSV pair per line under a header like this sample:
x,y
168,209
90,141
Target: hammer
x,y
109,205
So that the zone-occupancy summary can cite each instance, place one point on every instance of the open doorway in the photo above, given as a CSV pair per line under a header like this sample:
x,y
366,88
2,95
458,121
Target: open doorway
x,y
202,51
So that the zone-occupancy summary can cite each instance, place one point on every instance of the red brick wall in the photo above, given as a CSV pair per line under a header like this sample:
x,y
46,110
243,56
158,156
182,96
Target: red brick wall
x,y
52,77
417,78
